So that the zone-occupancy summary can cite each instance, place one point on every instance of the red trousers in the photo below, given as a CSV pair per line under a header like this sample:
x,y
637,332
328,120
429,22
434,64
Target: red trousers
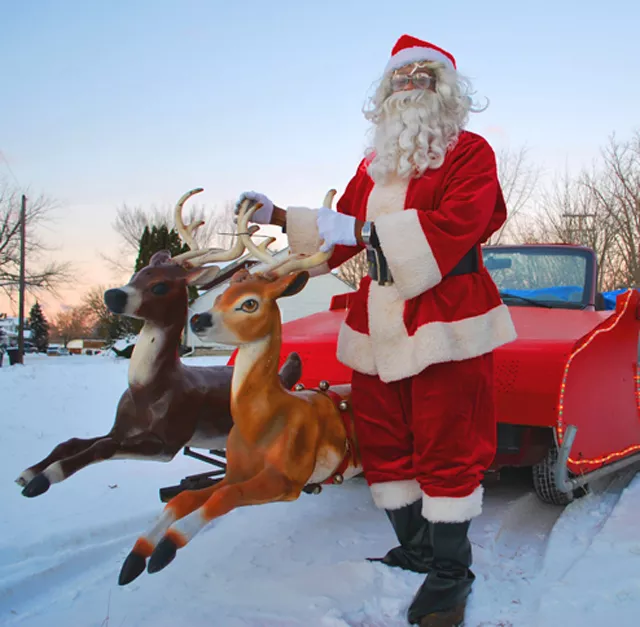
x,y
431,436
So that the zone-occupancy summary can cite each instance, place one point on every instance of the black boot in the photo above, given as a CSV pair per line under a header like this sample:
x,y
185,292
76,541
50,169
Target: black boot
x,y
412,530
441,600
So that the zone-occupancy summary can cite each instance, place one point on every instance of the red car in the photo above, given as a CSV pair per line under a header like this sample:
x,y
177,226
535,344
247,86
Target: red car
x,y
568,389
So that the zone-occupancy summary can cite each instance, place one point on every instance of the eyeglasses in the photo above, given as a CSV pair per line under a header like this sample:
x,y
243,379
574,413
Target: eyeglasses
x,y
400,82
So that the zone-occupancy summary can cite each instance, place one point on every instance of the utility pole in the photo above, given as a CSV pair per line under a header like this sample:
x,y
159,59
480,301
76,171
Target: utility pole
x,y
23,231
577,235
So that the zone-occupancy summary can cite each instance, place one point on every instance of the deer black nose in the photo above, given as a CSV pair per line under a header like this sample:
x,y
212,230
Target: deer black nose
x,y
116,300
200,322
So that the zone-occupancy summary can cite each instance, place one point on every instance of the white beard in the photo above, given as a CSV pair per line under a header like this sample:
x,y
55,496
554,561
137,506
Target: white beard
x,y
413,131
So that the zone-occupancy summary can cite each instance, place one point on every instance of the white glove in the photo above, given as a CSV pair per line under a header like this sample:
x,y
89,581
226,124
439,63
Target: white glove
x,y
263,215
335,228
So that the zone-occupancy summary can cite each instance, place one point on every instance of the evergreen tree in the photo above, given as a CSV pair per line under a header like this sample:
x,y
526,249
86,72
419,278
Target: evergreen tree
x,y
155,239
151,241
39,328
143,250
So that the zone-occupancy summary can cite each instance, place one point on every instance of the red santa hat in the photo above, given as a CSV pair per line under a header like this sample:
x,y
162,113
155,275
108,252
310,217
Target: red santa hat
x,y
411,50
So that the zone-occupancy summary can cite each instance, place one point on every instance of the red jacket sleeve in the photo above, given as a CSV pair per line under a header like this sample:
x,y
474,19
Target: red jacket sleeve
x,y
423,246
349,204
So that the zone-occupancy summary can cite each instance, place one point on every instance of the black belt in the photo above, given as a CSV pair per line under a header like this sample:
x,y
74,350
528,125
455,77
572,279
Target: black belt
x,y
468,264
379,268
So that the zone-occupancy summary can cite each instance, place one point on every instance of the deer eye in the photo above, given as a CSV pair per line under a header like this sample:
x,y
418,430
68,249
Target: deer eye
x,y
250,305
160,289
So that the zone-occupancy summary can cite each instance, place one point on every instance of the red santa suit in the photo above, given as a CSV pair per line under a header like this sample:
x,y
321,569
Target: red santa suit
x,y
420,347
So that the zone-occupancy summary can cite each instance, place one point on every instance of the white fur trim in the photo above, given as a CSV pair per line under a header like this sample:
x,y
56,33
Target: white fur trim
x,y
449,509
355,351
395,494
416,53
302,230
411,260
393,354
388,198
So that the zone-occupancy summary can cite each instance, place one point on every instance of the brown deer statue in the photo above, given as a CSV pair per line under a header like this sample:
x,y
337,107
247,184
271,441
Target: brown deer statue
x,y
282,441
167,404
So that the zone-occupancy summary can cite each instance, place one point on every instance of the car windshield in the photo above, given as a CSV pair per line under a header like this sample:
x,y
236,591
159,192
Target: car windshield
x,y
543,276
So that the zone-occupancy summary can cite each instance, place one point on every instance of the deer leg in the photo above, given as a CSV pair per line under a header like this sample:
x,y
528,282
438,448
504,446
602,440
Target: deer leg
x,y
268,486
178,507
64,449
142,445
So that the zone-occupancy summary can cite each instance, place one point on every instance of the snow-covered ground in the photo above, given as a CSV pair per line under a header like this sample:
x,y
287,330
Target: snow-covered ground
x,y
282,565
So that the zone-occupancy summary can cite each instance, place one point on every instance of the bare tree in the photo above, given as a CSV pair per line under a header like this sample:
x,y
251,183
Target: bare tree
x,y
518,180
131,221
573,211
618,191
598,208
41,274
100,320
72,323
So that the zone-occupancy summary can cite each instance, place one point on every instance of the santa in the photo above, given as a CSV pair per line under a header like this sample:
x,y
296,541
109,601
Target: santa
x,y
421,330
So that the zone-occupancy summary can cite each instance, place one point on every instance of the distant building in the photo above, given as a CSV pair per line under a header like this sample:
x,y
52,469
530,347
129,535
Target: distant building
x,y
315,297
84,346
10,325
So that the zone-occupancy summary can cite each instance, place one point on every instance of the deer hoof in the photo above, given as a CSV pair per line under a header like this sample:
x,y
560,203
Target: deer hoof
x,y
133,566
37,486
163,555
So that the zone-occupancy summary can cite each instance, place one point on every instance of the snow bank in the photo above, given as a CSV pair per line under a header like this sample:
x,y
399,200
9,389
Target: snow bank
x,y
281,565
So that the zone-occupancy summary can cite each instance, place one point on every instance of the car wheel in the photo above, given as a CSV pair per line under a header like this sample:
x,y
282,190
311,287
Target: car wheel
x,y
544,481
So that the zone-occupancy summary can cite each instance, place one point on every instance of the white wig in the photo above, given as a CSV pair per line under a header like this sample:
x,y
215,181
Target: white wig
x,y
414,129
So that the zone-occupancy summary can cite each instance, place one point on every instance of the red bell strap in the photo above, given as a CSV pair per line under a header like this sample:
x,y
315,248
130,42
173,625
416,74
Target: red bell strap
x,y
350,455
350,450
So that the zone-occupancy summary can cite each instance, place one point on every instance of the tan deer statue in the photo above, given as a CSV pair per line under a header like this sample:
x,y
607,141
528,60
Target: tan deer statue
x,y
282,441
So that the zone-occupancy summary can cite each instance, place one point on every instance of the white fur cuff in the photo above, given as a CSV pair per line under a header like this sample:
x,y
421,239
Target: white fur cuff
x,y
406,248
451,509
395,494
355,350
415,54
302,230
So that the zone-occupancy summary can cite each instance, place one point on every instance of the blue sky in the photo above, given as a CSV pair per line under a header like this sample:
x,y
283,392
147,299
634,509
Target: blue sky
x,y
136,101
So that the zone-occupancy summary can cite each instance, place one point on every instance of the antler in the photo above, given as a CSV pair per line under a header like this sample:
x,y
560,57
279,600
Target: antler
x,y
187,231
296,263
244,233
291,264
196,256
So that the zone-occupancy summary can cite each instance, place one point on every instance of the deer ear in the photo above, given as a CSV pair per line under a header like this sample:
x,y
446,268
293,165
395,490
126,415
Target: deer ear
x,y
291,284
239,276
202,276
160,258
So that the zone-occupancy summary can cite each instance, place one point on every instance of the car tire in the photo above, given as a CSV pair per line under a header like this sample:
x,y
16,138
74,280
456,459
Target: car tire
x,y
544,481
